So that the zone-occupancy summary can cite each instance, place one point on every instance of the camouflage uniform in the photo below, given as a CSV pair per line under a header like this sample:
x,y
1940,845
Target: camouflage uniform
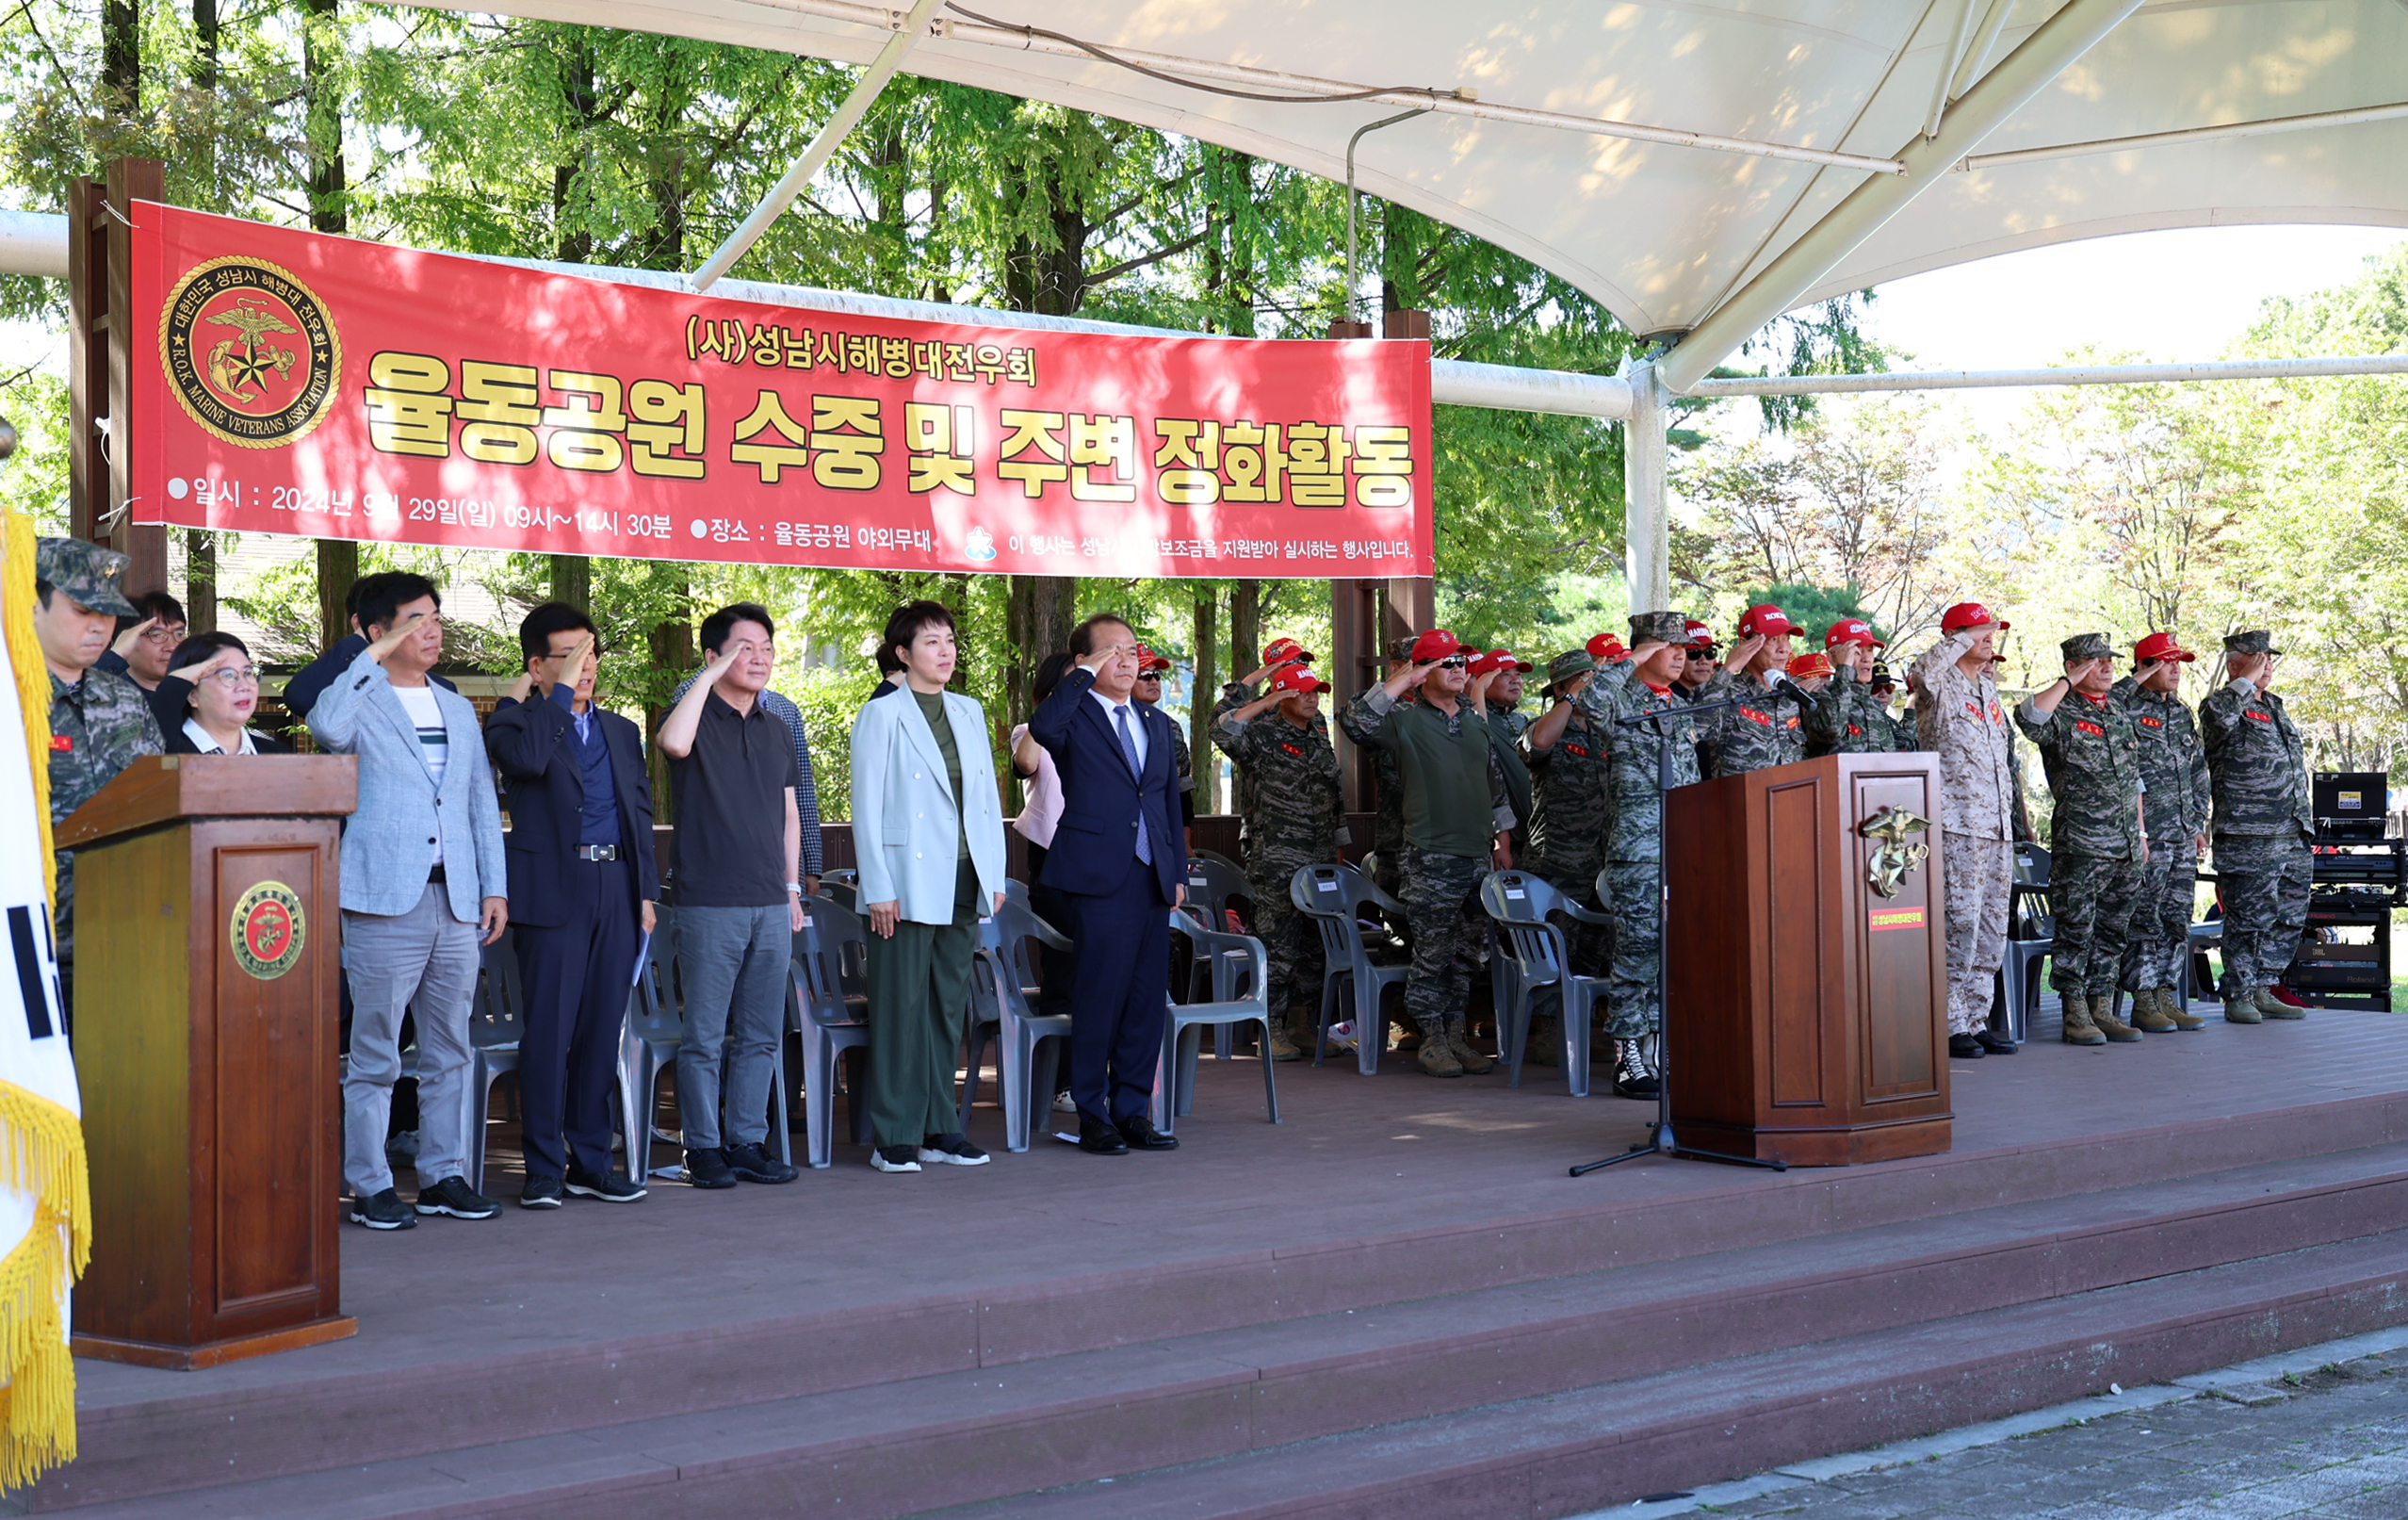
x,y
1441,886
1572,812
1769,727
2257,770
98,726
1236,694
1388,818
1505,729
1863,726
1961,718
2175,768
1295,817
2095,842
1635,838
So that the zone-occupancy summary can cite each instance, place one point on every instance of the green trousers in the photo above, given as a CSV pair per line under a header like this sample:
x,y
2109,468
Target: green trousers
x,y
918,997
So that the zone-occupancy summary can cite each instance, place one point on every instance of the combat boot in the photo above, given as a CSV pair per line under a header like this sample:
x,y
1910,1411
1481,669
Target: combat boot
x,y
2242,1011
1283,1047
1437,1056
1473,1063
2079,1028
1635,1075
2115,1029
2274,1007
2170,1002
2149,1014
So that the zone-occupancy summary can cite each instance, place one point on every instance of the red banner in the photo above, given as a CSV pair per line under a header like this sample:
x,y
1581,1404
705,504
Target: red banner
x,y
327,387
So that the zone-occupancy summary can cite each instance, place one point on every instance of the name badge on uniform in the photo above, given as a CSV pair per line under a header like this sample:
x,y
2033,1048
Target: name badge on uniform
x,y
61,744
2089,728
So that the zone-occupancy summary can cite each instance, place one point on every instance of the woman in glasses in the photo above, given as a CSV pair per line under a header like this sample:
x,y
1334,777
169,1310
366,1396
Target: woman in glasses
x,y
205,700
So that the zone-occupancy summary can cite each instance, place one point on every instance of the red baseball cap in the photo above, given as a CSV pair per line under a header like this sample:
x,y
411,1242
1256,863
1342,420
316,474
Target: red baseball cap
x,y
1297,678
1149,662
1604,648
1434,645
1812,663
1700,636
1851,631
2161,648
1499,660
1282,649
1767,620
1969,614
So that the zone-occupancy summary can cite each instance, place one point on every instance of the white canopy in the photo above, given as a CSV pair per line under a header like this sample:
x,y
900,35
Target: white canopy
x,y
1555,129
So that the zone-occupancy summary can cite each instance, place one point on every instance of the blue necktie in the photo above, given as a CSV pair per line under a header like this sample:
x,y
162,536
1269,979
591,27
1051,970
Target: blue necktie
x,y
1129,753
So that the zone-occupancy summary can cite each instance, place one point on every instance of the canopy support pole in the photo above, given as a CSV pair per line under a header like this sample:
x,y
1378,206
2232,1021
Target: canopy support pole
x,y
2004,91
1647,532
864,92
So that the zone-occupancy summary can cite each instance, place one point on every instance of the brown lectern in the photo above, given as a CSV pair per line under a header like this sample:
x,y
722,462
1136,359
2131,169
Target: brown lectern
x,y
207,940
1806,1009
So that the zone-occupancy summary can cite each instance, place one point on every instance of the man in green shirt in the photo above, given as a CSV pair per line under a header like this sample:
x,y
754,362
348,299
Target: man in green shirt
x,y
1456,825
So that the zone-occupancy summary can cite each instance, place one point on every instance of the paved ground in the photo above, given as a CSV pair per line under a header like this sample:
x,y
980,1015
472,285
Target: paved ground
x,y
2327,1443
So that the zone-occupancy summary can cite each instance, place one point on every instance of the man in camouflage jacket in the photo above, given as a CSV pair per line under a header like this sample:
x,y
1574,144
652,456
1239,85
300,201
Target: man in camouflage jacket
x,y
2173,765
2262,828
1295,817
2097,842
1572,811
1859,723
100,723
1775,719
1964,721
1640,686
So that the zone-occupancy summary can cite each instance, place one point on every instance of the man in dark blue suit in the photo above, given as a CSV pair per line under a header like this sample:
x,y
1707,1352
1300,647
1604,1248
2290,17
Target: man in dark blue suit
x,y
1119,859
582,881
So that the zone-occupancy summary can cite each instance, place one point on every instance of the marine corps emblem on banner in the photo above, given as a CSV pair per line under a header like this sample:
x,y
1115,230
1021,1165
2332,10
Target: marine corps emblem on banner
x,y
250,352
267,930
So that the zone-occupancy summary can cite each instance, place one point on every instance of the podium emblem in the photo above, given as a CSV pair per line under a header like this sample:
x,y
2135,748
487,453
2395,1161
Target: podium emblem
x,y
1886,867
267,930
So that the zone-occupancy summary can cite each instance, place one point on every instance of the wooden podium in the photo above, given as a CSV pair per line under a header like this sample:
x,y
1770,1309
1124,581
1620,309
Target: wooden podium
x,y
1806,1012
207,946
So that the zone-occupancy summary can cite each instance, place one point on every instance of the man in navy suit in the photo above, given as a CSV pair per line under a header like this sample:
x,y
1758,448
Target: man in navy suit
x,y
581,870
1119,859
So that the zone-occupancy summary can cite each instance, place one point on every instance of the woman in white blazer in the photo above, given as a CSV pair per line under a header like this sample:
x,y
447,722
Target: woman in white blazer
x,y
928,841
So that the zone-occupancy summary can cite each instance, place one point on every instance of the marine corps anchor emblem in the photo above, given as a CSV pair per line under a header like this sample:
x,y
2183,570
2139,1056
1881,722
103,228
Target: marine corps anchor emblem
x,y
1885,869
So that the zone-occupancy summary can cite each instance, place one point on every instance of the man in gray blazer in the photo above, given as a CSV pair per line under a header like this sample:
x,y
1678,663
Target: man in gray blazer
x,y
423,886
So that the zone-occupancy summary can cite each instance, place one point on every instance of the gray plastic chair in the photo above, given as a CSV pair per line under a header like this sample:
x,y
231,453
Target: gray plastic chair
x,y
842,887
1332,895
496,1026
1024,1067
829,1007
1174,1074
1517,906
2018,984
1213,883
648,1043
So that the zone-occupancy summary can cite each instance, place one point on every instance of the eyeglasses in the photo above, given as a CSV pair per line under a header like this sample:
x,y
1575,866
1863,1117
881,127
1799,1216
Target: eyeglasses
x,y
165,637
230,675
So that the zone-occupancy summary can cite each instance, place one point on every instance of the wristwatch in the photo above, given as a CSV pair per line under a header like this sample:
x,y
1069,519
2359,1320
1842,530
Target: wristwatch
x,y
794,887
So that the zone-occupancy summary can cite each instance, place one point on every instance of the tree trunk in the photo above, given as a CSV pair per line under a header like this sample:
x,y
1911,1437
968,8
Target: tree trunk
x,y
1245,627
338,566
329,193
121,57
573,580
200,581
672,649
1201,694
572,234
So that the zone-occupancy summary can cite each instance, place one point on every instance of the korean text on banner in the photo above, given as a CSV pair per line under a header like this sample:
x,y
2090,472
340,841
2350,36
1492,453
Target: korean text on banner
x,y
319,385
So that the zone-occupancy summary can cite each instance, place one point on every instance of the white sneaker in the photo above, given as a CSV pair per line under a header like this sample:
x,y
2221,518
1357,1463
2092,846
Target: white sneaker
x,y
904,1158
1062,1103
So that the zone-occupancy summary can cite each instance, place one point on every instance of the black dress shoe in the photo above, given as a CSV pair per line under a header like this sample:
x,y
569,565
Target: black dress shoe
x,y
1100,1139
1995,1044
1142,1135
1965,1048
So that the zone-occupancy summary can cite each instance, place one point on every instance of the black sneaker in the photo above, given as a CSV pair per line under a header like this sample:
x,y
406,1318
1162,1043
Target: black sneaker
x,y
540,1193
384,1211
951,1151
756,1165
895,1158
709,1168
610,1187
453,1196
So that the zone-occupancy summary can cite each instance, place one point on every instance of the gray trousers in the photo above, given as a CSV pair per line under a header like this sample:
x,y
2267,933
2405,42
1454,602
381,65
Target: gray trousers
x,y
423,961
732,963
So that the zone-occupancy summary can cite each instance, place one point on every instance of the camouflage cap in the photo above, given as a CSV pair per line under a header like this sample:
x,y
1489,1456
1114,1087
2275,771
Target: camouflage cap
x,y
91,576
2252,641
1402,648
1569,663
1661,628
2087,646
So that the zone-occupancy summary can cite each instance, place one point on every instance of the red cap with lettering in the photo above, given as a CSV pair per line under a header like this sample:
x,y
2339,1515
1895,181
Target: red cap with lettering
x,y
2161,648
1767,621
1434,645
1286,649
1700,636
1811,663
1851,631
1499,660
1150,664
1967,614
1297,678
1605,647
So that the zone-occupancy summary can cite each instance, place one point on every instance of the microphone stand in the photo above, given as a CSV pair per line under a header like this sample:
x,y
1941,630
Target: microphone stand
x,y
1660,1141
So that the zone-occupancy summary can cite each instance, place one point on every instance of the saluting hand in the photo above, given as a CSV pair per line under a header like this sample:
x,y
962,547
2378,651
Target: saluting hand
x,y
1742,652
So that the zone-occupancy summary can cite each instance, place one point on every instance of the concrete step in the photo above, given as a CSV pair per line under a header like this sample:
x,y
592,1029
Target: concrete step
x,y
961,1435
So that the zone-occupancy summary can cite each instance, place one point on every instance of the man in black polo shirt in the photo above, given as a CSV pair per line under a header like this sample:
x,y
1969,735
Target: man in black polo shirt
x,y
733,774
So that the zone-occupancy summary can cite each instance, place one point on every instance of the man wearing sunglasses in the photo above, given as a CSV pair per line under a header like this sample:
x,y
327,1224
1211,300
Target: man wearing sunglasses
x,y
1151,668
1458,825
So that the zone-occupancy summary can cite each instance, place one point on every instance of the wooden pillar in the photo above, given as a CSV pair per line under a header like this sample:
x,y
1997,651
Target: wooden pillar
x,y
102,351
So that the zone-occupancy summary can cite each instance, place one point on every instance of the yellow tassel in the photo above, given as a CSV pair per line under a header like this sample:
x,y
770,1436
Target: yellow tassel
x,y
42,1156
33,678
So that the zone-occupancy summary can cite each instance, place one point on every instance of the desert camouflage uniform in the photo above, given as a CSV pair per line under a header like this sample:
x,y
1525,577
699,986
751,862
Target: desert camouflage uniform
x,y
98,726
2096,840
1440,890
1962,720
2257,769
1571,813
1634,835
2175,768
1294,818
1767,728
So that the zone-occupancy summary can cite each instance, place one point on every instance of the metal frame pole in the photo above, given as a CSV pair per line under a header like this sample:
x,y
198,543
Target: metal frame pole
x,y
1647,559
